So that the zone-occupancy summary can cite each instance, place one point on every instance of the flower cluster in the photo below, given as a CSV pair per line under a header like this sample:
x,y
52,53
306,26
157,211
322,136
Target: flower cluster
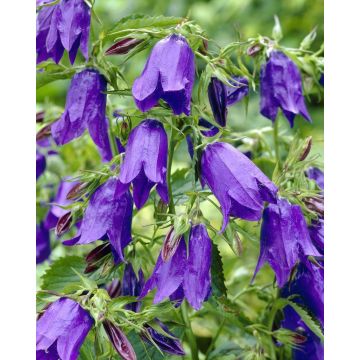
x,y
103,209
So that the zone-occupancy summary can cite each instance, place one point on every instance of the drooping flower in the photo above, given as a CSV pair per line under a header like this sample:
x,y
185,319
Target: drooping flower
x,y
145,161
63,26
56,210
180,276
284,239
120,342
43,248
85,108
61,330
40,164
212,129
240,187
168,74
108,215
132,286
281,87
217,94
310,347
316,231
317,175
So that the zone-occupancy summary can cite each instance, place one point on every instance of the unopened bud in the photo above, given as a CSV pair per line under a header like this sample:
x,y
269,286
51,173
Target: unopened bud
x,y
43,132
95,257
171,243
63,224
114,288
253,50
119,341
76,191
306,148
124,131
40,116
123,46
315,204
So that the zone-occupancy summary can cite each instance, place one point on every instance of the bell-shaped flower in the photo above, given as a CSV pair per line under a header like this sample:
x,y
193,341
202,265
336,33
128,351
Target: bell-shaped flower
x,y
40,164
63,26
108,215
217,94
131,286
61,330
281,87
284,239
43,248
169,74
309,347
145,161
240,187
85,109
238,91
183,276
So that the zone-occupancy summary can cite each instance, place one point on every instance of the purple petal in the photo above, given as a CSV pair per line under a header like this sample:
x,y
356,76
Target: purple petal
x,y
317,175
213,130
43,248
40,164
237,93
218,100
197,280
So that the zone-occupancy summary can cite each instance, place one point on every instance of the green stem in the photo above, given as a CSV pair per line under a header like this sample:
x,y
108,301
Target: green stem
x,y
168,178
276,140
189,333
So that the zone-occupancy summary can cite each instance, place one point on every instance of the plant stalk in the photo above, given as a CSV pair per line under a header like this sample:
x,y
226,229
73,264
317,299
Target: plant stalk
x,y
189,333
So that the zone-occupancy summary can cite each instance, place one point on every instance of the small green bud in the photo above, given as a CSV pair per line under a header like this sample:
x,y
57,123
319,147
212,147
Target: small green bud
x,y
277,31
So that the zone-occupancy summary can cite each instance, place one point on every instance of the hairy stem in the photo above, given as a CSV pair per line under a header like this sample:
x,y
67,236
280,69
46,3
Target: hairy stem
x,y
189,333
168,178
276,140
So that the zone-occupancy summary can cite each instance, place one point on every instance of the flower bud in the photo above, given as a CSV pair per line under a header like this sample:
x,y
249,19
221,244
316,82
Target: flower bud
x,y
114,288
124,131
63,224
306,148
44,132
40,116
119,340
93,259
170,245
315,204
123,46
76,191
253,50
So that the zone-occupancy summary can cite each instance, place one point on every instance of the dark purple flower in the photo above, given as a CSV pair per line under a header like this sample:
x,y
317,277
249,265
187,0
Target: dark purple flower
x,y
317,175
281,87
169,344
114,288
316,231
240,187
217,94
95,258
181,276
123,46
61,330
40,164
284,239
108,214
311,348
85,108
132,285
56,211
168,74
238,92
43,248
190,145
145,161
120,342
321,80
64,26
212,129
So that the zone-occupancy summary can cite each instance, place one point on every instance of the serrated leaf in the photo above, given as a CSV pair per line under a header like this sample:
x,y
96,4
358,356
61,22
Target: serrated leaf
x,y
225,349
61,278
217,274
143,350
52,73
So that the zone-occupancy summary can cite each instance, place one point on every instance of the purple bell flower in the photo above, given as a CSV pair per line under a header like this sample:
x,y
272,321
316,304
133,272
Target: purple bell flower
x,y
43,248
169,74
240,187
145,161
61,330
284,239
56,212
317,175
180,276
212,129
40,164
311,347
132,286
63,26
85,108
217,94
108,214
281,87
316,231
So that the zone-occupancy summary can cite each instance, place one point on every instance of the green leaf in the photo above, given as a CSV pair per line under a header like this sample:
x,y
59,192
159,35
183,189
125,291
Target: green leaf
x,y
308,40
61,278
217,274
225,349
52,72
277,31
143,350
